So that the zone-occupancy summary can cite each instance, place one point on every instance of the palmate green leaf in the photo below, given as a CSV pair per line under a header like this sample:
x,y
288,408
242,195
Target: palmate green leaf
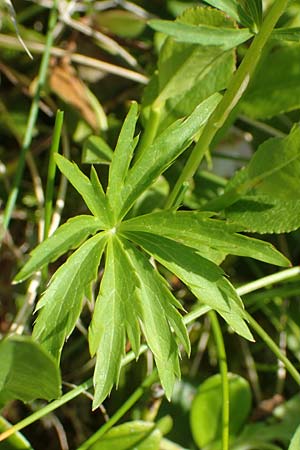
x,y
197,230
225,38
274,92
170,93
91,193
132,292
205,280
165,149
61,304
122,157
23,362
66,237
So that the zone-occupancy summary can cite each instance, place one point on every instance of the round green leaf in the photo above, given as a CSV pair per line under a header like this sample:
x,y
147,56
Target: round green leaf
x,y
206,411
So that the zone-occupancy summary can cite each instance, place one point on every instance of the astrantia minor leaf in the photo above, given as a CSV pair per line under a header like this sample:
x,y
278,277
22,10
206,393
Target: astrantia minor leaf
x,y
61,304
197,230
94,199
67,236
165,149
204,278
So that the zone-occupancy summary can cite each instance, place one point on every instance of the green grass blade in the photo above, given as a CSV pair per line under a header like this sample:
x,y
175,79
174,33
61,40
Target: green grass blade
x,y
31,118
51,171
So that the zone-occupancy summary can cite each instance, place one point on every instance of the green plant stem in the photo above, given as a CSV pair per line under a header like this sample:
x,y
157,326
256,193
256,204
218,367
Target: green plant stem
x,y
33,114
51,171
234,92
199,311
262,126
137,394
47,409
273,347
150,130
224,377
269,280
